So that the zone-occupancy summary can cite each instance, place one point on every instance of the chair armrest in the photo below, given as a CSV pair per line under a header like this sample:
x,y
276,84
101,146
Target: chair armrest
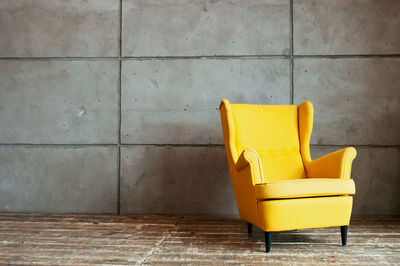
x,y
333,165
250,158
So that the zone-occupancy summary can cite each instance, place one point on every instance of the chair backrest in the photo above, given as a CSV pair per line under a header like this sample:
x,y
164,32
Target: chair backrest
x,y
272,131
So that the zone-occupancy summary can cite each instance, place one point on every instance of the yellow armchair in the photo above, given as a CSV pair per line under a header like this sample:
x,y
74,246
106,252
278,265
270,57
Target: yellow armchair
x,y
277,186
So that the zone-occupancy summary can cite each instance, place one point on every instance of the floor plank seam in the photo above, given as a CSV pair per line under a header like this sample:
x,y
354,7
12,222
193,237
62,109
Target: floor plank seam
x,y
160,243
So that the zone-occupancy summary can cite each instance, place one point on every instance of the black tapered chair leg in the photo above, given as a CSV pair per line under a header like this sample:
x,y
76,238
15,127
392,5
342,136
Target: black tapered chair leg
x,y
268,241
249,228
343,231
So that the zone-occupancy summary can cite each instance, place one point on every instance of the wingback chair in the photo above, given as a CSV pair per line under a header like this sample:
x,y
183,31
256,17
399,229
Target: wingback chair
x,y
277,186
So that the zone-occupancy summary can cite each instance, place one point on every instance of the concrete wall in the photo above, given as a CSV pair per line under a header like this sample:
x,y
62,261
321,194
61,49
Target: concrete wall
x,y
111,106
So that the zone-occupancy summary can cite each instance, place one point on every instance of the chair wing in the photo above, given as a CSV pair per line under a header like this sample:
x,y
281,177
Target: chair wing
x,y
334,165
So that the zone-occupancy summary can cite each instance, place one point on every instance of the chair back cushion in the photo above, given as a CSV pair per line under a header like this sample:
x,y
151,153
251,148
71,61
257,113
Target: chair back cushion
x,y
272,131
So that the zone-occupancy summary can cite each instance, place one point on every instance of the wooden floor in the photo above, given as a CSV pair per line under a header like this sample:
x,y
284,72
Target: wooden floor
x,y
101,239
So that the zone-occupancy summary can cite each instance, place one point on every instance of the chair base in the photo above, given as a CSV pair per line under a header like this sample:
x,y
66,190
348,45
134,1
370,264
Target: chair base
x,y
343,232
268,236
249,228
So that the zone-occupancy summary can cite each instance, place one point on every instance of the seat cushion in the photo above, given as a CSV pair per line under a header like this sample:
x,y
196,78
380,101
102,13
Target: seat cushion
x,y
304,187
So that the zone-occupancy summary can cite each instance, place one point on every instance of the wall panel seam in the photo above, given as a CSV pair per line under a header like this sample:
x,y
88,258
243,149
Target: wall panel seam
x,y
119,106
179,145
291,54
122,58
61,144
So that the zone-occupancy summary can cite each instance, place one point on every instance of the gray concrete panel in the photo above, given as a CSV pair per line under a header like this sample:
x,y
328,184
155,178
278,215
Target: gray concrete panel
x,y
58,28
356,100
58,179
346,27
58,102
177,101
175,180
193,28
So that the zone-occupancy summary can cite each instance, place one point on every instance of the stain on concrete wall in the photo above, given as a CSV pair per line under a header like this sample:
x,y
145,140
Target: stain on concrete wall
x,y
112,106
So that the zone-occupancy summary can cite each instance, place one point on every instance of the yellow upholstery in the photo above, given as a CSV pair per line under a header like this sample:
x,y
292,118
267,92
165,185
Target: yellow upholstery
x,y
305,187
290,214
273,134
336,164
277,186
